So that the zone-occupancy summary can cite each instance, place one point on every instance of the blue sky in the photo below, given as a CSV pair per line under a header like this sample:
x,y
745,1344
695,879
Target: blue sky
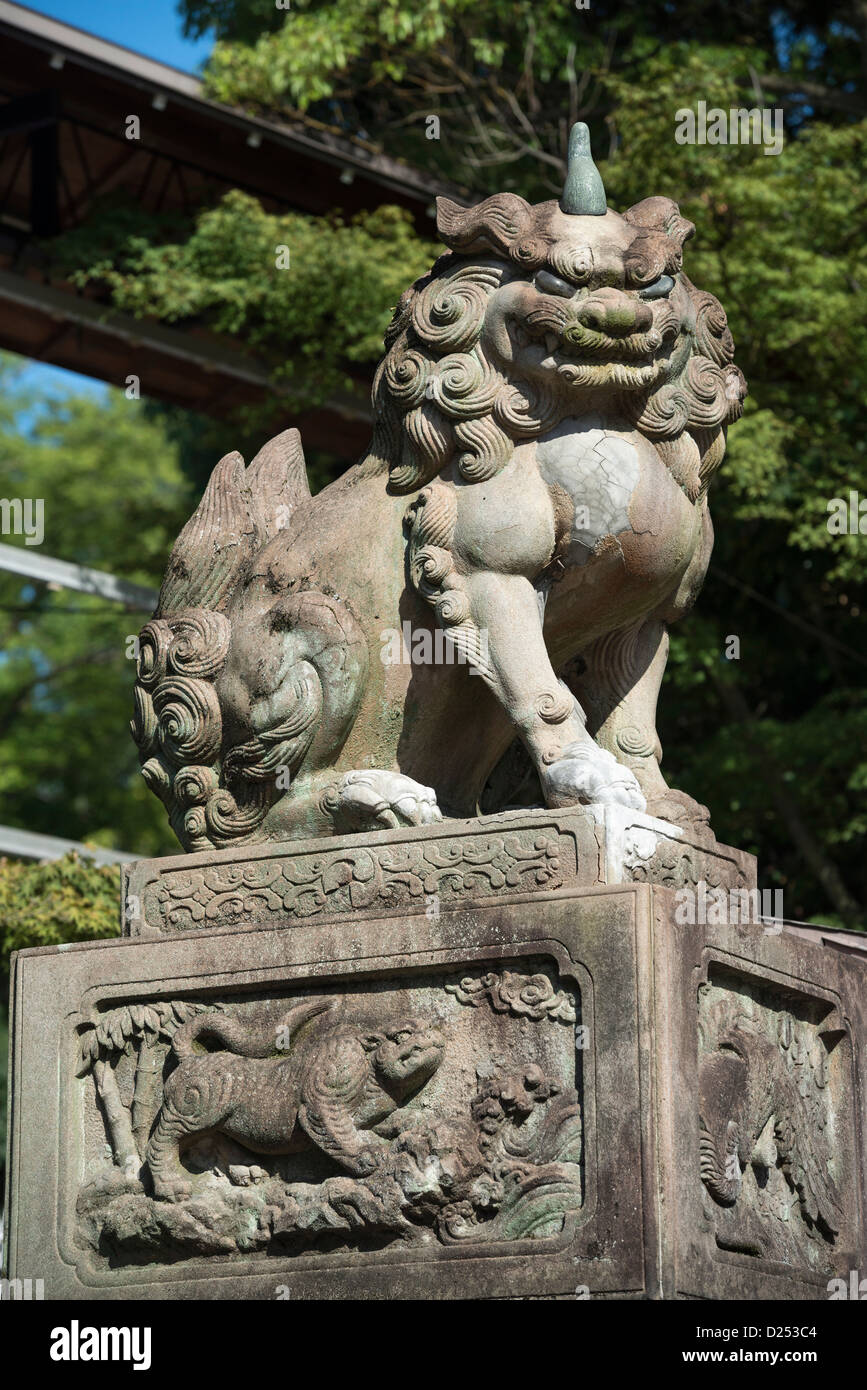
x,y
152,28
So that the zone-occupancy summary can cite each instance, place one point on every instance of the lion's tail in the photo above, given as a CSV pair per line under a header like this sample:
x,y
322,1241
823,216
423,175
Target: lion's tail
x,y
241,509
177,723
240,1036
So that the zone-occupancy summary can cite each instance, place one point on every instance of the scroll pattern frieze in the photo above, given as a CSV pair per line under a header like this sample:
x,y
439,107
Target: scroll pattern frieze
x,y
409,876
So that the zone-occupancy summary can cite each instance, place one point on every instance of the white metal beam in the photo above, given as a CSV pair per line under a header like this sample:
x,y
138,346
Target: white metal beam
x,y
27,845
28,561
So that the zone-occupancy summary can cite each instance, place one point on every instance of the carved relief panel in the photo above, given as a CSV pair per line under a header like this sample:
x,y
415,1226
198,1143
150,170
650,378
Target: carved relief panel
x,y
442,1109
775,1137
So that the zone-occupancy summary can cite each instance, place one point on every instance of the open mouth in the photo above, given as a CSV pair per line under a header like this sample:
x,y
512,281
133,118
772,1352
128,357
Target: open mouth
x,y
524,339
419,1053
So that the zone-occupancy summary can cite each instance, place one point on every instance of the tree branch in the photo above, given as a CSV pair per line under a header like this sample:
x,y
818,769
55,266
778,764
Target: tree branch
x,y
831,97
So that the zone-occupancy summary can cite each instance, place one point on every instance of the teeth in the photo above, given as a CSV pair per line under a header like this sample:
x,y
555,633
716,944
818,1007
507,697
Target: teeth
x,y
552,342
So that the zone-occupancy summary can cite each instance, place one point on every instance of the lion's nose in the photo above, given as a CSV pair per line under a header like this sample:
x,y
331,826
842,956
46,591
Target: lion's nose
x,y
615,313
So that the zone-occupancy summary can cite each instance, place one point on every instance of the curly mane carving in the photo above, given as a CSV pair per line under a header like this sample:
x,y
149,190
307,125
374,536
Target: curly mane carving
x,y
440,399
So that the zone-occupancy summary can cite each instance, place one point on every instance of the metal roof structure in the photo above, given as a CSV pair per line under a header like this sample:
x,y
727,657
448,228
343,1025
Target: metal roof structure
x,y
65,96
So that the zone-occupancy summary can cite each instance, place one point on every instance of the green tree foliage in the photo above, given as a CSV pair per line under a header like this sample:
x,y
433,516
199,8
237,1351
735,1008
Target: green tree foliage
x,y
310,295
114,499
70,899
201,440
774,741
507,80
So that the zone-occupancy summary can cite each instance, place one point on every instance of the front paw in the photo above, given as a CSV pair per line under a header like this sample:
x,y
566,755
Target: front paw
x,y
682,810
587,773
367,1160
245,1175
371,797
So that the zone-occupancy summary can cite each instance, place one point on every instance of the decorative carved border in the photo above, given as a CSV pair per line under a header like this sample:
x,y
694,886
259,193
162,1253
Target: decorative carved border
x,y
435,869
298,887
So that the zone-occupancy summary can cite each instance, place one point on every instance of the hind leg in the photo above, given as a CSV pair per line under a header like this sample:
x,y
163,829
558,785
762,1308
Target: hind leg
x,y
170,1181
618,685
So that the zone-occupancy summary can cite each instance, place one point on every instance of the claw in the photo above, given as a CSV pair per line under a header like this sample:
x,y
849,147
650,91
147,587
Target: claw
x,y
172,1189
375,798
587,773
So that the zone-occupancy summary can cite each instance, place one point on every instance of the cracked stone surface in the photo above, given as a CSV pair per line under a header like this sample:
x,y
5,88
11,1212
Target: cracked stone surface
x,y
599,469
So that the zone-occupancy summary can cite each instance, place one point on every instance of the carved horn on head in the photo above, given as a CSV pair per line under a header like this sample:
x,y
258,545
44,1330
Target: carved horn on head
x,y
583,191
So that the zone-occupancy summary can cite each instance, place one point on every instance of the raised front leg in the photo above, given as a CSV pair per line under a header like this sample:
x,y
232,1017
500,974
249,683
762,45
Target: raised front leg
x,y
495,620
328,1123
617,680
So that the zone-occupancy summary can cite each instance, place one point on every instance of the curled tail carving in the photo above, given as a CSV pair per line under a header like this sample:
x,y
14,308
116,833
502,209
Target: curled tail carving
x,y
211,799
215,793
237,1035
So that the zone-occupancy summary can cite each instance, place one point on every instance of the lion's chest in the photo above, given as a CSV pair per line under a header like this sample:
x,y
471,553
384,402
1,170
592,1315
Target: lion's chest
x,y
600,469
633,530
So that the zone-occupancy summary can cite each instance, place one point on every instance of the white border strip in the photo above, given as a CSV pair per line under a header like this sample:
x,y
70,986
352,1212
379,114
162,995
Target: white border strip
x,y
28,845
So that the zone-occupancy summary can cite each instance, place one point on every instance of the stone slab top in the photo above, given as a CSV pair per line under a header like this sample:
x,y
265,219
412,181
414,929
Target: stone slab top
x,y
436,868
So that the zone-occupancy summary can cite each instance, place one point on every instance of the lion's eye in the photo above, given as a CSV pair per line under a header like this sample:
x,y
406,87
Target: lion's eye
x,y
659,289
552,284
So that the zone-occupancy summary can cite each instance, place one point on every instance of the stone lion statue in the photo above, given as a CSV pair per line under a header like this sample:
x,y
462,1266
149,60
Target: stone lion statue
x,y
549,412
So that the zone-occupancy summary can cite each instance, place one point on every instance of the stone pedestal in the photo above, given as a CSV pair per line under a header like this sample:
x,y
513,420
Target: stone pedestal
x,y
435,868
479,1060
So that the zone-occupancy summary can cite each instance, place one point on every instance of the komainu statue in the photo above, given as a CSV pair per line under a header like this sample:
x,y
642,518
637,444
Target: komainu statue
x,y
548,414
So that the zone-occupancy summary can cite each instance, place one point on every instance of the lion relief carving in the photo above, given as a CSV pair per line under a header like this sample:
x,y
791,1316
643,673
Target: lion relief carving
x,y
332,1086
549,412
